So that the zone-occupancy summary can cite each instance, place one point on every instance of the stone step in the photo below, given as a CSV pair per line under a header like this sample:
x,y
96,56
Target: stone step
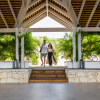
x,y
48,71
45,75
47,80
48,67
48,75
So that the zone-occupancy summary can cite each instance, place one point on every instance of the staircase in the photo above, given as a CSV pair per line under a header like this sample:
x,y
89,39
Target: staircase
x,y
45,75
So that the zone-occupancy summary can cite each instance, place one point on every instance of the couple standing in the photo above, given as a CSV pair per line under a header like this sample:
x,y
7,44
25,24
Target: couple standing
x,y
46,50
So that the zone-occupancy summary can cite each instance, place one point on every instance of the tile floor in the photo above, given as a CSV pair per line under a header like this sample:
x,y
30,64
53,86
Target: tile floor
x,y
50,91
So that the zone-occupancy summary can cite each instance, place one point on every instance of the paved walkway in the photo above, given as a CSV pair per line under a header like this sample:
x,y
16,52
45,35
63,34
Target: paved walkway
x,y
50,91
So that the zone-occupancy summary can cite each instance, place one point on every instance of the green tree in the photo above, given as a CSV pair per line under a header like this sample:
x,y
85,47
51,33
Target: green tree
x,y
90,45
7,47
65,46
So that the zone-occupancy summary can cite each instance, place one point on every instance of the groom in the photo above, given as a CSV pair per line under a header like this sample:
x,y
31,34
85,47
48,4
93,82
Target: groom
x,y
43,51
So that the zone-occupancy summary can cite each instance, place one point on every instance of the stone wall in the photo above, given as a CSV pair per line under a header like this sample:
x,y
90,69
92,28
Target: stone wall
x,y
15,75
83,76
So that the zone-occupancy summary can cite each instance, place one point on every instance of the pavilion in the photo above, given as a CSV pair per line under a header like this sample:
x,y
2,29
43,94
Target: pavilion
x,y
15,15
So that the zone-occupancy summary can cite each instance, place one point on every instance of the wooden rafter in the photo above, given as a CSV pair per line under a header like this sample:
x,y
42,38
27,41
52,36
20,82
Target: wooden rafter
x,y
47,6
60,2
33,2
7,30
70,11
24,2
82,6
94,8
59,21
35,9
32,18
22,13
91,29
69,3
59,9
98,24
35,21
85,29
67,21
4,19
12,11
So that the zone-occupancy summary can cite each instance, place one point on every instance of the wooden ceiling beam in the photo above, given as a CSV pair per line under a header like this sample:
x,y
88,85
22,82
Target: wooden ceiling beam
x,y
8,30
85,29
59,21
91,29
4,19
22,13
98,24
35,9
35,21
35,16
47,6
79,15
91,15
24,2
33,2
60,2
12,11
59,9
64,19
70,11
69,3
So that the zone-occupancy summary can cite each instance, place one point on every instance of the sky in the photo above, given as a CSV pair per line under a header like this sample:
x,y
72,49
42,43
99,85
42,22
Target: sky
x,y
48,22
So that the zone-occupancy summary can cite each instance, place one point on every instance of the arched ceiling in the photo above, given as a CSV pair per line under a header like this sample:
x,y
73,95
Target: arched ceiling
x,y
69,13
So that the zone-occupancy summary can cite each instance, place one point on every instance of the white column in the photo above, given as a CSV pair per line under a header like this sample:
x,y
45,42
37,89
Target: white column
x,y
22,48
79,44
17,44
74,47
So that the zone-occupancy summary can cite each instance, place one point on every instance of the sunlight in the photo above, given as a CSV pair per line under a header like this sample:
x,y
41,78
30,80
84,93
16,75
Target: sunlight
x,y
48,22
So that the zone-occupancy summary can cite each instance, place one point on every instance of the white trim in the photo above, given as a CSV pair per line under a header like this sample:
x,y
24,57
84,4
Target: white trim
x,y
62,18
17,44
74,47
85,29
79,15
79,44
22,48
23,2
95,6
48,29
8,30
22,13
91,29
4,19
12,11
69,3
71,12
98,24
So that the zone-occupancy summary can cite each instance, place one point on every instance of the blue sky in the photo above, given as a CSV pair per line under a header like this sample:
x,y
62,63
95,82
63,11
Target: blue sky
x,y
47,22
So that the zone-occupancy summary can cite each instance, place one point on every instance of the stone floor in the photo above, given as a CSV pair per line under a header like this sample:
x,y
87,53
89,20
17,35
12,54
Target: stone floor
x,y
50,91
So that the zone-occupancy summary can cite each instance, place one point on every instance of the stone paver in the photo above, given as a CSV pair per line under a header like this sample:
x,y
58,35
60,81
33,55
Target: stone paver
x,y
50,91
